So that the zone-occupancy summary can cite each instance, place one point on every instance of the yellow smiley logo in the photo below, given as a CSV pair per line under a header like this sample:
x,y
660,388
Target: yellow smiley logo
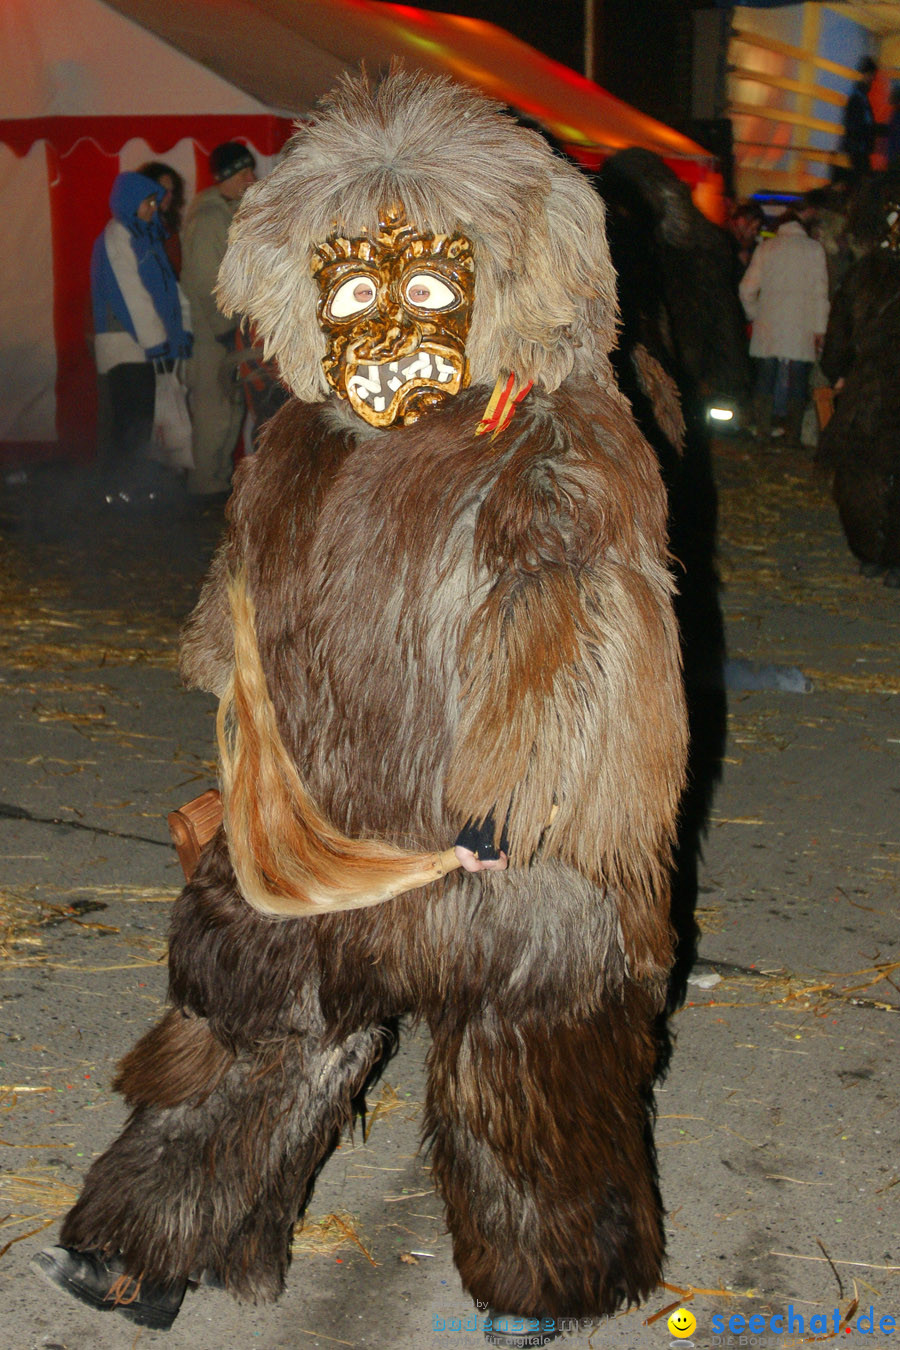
x,y
682,1323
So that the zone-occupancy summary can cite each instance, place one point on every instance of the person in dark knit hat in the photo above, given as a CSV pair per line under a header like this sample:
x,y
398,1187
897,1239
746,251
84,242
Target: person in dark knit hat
x,y
217,409
229,159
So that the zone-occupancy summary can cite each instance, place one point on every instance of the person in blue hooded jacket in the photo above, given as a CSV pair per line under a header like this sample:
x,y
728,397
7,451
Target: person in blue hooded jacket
x,y
141,318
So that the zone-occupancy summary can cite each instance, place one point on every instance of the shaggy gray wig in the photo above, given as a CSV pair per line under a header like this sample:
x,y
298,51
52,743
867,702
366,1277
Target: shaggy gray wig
x,y
545,301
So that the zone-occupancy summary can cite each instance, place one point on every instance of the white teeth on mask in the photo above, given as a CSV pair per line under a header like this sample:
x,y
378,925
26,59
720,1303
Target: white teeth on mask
x,y
419,365
380,382
445,371
364,386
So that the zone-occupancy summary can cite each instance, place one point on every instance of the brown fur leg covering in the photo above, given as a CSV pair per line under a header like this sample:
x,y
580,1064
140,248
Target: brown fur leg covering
x,y
543,1154
218,1183
231,966
862,496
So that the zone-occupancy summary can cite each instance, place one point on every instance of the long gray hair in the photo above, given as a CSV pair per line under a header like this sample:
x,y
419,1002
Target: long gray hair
x,y
544,290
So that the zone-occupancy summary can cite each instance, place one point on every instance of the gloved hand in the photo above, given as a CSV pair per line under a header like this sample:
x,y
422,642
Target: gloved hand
x,y
479,839
184,347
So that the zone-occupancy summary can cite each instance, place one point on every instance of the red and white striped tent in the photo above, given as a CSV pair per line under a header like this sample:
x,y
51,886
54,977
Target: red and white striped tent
x,y
92,87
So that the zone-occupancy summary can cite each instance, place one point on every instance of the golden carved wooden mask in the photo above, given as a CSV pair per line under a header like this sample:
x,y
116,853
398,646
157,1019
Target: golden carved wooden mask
x,y
395,308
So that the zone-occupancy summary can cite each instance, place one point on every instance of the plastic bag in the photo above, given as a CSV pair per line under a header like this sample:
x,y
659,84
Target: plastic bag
x,y
171,440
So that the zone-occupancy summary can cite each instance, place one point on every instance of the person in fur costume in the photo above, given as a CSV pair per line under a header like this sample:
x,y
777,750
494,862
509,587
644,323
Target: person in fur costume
x,y
676,280
681,345
859,444
442,610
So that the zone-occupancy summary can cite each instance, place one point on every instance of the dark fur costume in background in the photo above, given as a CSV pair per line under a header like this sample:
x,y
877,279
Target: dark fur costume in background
x,y
861,443
449,625
682,340
675,271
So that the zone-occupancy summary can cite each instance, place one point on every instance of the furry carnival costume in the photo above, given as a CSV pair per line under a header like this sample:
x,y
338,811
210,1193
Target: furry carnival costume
x,y
860,442
443,598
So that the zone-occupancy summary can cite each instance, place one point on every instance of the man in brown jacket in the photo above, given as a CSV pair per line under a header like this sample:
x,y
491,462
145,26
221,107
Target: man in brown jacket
x,y
217,408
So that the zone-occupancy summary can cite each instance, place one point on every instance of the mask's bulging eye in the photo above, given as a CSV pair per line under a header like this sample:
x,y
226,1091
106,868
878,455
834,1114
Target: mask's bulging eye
x,y
352,297
426,291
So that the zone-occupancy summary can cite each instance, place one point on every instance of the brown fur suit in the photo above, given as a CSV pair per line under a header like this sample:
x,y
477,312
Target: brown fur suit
x,y
449,625
860,442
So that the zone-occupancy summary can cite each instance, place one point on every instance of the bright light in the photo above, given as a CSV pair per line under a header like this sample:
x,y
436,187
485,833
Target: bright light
x,y
721,414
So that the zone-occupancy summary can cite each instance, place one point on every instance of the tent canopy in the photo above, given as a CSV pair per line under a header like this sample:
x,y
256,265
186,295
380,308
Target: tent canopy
x,y
92,87
286,53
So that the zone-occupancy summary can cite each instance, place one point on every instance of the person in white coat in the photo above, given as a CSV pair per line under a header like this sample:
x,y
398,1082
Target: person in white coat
x,y
785,296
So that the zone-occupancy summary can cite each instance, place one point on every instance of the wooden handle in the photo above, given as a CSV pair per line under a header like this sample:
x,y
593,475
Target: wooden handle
x,y
192,827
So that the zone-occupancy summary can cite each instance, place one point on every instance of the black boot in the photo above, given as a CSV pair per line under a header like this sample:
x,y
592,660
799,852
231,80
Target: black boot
x,y
103,1283
793,425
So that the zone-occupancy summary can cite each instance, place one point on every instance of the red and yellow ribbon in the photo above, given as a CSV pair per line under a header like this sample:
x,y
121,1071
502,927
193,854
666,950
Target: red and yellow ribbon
x,y
508,394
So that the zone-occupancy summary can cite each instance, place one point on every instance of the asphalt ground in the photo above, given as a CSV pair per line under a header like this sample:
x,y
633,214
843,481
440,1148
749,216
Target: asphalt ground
x,y
778,1118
